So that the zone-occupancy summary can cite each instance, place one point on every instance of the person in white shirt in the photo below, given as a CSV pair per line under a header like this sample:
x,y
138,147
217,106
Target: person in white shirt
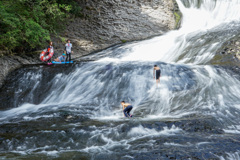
x,y
68,48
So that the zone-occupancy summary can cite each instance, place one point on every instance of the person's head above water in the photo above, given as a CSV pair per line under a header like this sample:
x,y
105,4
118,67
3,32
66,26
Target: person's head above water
x,y
155,65
122,102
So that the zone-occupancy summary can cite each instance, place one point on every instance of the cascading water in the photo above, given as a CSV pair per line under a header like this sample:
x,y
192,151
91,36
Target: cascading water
x,y
74,112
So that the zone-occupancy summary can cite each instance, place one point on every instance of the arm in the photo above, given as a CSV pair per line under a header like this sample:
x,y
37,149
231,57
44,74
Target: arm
x,y
124,105
71,48
123,109
153,72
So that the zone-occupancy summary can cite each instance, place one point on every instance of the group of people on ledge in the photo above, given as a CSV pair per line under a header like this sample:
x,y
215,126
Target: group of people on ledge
x,y
66,56
127,107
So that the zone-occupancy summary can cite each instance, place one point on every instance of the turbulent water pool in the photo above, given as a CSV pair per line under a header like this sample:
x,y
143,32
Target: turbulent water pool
x,y
73,111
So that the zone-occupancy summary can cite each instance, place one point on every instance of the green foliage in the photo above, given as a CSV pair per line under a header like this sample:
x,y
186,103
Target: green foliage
x,y
74,9
124,41
27,24
63,39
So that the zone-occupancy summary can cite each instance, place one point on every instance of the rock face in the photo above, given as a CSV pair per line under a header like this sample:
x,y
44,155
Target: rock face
x,y
9,63
103,24
110,22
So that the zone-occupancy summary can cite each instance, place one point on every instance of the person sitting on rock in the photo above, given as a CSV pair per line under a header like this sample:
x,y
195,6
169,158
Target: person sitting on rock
x,y
60,58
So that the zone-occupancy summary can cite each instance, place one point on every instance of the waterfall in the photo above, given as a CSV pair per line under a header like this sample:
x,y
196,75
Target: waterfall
x,y
183,56
125,73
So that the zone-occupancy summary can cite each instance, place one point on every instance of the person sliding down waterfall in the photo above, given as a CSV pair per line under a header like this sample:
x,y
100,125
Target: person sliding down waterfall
x,y
158,73
127,107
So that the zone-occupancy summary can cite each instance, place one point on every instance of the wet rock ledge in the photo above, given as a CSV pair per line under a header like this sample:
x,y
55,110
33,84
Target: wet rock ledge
x,y
103,24
228,54
228,57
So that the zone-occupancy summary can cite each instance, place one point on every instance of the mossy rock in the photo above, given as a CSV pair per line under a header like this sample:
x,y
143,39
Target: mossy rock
x,y
177,14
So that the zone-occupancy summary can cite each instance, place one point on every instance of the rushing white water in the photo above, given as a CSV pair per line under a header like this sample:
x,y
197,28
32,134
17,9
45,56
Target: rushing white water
x,y
212,16
190,87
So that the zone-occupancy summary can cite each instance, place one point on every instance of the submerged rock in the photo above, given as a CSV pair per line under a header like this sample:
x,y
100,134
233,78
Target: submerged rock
x,y
229,53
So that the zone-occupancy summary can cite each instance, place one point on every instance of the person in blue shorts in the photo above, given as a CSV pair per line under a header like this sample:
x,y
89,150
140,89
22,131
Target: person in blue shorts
x,y
127,107
61,58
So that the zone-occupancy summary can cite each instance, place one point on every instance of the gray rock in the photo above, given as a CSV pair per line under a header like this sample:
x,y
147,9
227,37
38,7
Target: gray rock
x,y
12,62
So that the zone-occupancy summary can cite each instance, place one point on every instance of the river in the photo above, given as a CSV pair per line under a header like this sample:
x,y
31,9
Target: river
x,y
73,111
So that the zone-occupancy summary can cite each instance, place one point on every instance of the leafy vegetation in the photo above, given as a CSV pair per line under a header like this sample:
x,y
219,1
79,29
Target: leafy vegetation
x,y
27,24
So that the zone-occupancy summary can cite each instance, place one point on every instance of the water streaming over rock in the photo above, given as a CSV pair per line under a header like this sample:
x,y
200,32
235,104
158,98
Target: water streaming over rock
x,y
74,111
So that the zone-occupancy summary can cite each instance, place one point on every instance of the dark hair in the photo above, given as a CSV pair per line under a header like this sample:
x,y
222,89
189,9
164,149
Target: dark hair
x,y
155,65
123,102
68,40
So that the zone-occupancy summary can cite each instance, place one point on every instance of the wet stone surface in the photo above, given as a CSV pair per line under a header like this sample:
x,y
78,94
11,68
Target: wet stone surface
x,y
191,138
